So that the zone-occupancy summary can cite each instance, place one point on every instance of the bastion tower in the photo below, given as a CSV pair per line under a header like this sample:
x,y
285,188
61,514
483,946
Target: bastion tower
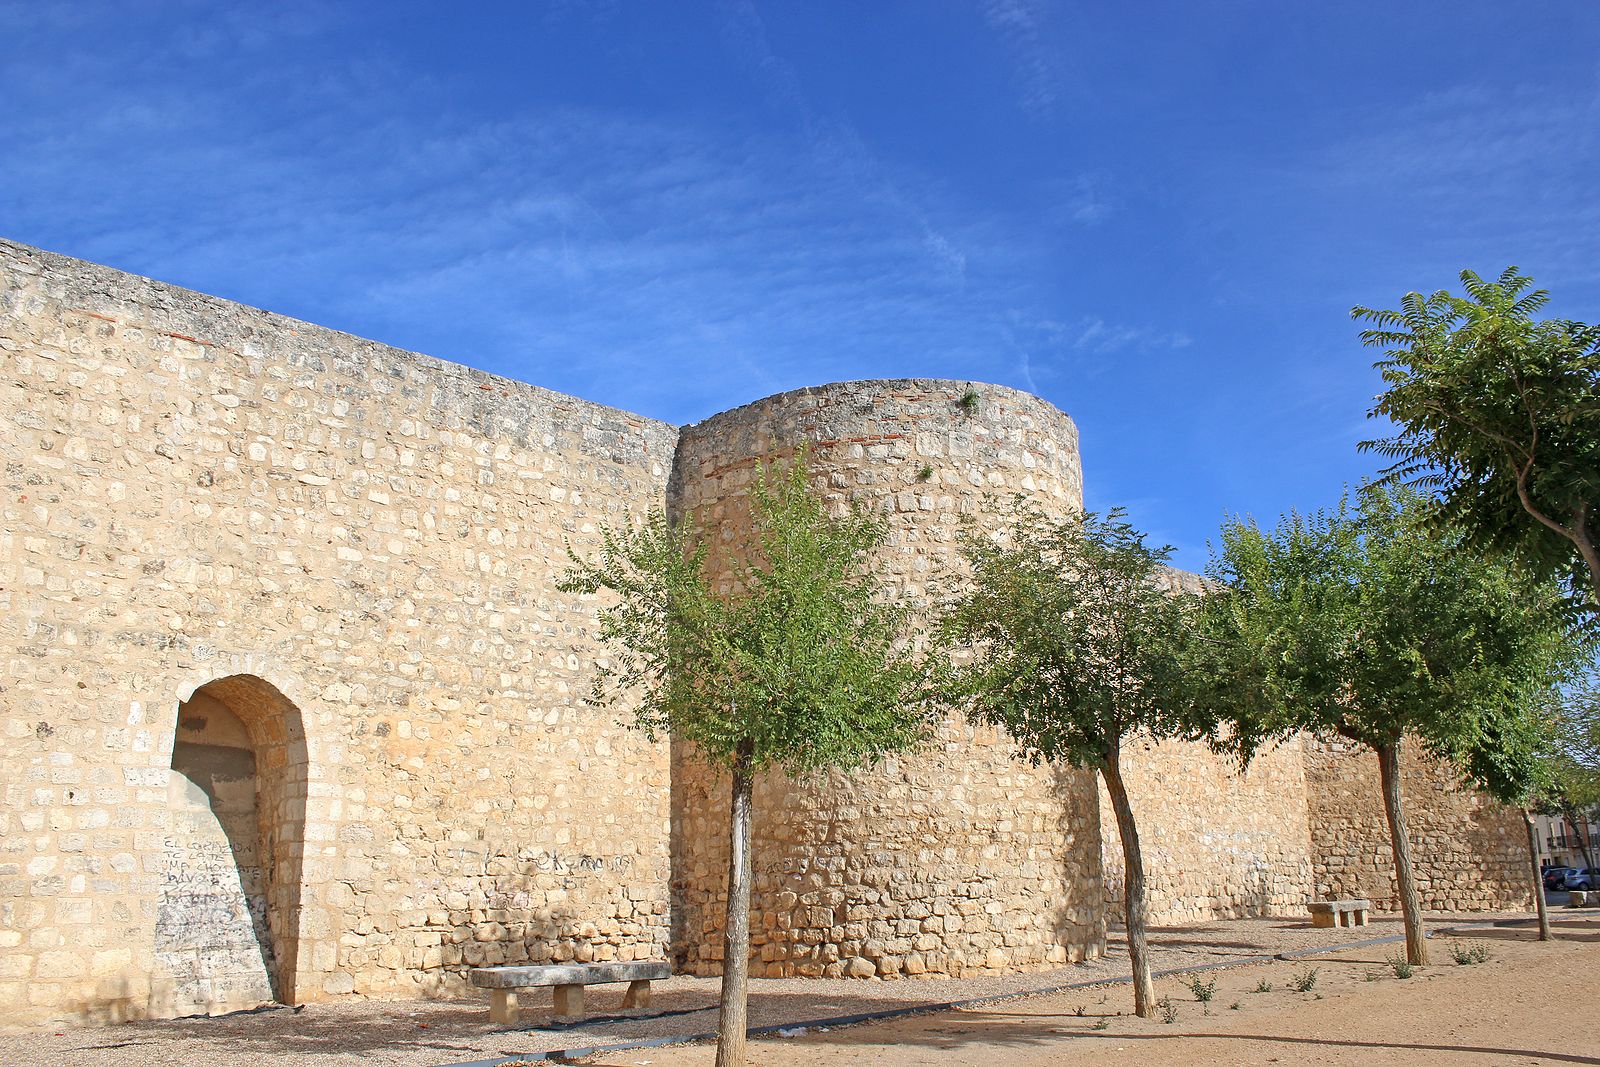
x,y
956,858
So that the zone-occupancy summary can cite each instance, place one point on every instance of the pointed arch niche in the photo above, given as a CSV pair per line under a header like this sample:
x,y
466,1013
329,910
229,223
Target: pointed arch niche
x,y
228,910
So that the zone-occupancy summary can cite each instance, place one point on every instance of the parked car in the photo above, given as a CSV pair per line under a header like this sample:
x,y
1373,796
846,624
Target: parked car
x,y
1556,877
1582,878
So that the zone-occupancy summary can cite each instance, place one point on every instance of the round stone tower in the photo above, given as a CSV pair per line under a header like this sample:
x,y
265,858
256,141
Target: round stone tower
x,y
953,859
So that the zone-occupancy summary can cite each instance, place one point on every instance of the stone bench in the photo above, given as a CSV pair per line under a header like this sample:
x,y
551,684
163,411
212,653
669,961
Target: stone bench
x,y
568,980
1580,898
1339,912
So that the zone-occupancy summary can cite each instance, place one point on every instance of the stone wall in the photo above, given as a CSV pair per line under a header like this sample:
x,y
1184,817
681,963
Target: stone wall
x,y
364,540
952,860
292,708
1470,853
1217,844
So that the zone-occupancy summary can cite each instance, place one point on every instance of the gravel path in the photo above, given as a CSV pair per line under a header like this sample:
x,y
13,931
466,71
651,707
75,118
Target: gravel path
x,y
423,1033
1526,1003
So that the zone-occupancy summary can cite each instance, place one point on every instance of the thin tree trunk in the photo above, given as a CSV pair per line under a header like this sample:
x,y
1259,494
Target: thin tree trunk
x,y
1144,991
732,1025
1590,554
1389,772
1577,533
1538,876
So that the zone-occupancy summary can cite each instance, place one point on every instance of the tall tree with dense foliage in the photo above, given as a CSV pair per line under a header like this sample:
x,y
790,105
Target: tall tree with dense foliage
x,y
1369,624
1074,628
804,666
1498,416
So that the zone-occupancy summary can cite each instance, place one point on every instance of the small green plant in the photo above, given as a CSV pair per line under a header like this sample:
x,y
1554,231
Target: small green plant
x,y
1101,1025
1304,981
1401,966
1466,953
1262,986
1081,1010
1169,1010
1372,976
969,401
1235,1006
1203,991
925,473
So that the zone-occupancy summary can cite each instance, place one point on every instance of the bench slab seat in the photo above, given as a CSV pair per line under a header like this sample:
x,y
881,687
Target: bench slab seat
x,y
1339,912
568,980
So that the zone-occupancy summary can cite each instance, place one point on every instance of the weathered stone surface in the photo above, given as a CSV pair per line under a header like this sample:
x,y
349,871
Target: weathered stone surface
x,y
1217,844
1470,853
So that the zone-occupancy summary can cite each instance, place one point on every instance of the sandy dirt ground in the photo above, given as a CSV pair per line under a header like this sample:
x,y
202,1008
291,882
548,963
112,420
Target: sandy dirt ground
x,y
1529,1003
1521,1006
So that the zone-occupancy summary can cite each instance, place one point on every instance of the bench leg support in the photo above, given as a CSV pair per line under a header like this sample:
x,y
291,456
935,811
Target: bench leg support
x,y
569,1000
638,995
503,1006
1324,918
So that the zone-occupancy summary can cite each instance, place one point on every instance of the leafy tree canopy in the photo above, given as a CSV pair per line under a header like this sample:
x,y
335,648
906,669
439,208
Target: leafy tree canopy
x,y
1498,415
789,656
1368,623
1075,625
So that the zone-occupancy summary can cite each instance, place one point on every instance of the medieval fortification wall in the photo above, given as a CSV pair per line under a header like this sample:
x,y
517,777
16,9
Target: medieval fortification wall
x,y
292,708
352,550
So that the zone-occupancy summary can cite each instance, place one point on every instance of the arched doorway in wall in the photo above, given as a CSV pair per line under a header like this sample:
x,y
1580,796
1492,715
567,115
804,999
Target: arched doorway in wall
x,y
227,912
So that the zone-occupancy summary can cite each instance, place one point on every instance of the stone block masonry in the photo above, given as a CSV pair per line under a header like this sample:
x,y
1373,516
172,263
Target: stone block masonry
x,y
1470,853
353,548
292,708
1217,844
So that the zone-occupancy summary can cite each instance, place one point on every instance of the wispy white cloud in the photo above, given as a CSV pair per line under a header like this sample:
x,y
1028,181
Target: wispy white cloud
x,y
655,264
665,264
1086,347
834,143
1019,25
1082,200
1470,167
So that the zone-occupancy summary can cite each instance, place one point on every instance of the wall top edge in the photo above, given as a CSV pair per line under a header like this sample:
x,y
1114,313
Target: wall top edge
x,y
126,284
114,281
958,386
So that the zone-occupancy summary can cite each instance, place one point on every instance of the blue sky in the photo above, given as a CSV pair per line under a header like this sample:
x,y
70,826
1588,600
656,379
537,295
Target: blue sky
x,y
1155,215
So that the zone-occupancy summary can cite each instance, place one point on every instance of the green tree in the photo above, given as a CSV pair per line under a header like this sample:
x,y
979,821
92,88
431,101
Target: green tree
x,y
1498,414
1074,627
1368,624
1511,761
805,665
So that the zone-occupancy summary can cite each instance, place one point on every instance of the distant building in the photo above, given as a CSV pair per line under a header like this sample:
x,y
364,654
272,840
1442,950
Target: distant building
x,y
1561,842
